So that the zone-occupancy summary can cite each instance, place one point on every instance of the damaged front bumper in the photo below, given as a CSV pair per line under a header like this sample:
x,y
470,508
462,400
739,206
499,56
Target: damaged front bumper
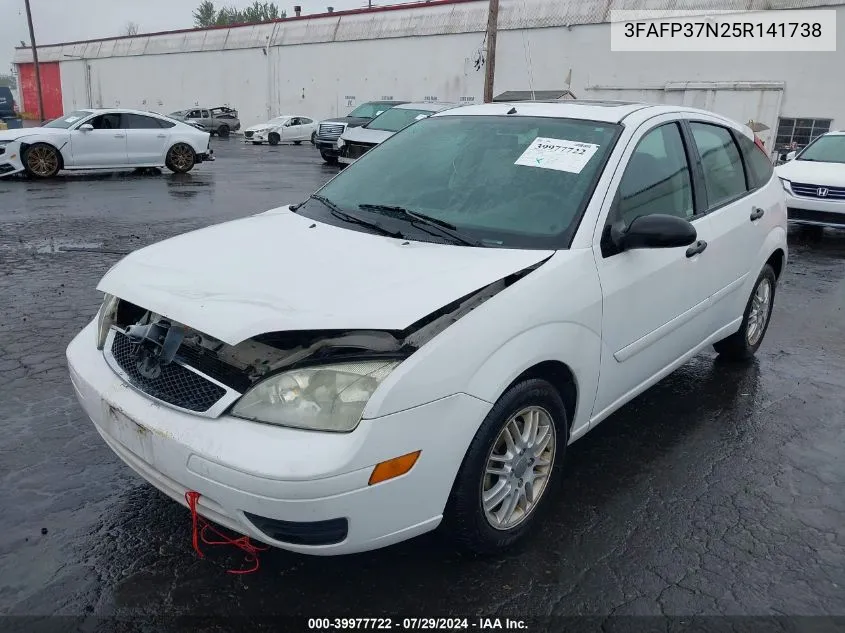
x,y
299,490
11,160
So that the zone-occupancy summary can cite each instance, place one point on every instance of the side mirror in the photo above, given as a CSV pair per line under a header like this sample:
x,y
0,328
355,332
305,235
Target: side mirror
x,y
86,127
791,155
653,231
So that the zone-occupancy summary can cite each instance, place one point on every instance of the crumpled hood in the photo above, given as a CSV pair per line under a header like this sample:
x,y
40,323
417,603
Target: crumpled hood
x,y
273,272
813,173
365,135
261,126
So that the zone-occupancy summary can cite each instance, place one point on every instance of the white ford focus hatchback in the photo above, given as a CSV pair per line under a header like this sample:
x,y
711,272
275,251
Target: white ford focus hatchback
x,y
419,341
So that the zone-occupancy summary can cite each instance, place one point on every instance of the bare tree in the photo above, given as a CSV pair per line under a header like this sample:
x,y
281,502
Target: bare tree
x,y
131,28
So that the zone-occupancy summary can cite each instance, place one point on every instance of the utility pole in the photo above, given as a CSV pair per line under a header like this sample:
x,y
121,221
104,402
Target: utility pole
x,y
492,29
35,60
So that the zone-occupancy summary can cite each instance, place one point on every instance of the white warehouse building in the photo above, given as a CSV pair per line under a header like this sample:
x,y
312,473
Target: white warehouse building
x,y
324,65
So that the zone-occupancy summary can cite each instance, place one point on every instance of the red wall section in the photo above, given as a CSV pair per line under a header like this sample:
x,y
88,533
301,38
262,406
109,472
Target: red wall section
x,y
51,89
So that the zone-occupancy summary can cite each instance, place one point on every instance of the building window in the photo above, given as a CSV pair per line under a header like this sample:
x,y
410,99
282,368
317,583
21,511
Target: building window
x,y
799,132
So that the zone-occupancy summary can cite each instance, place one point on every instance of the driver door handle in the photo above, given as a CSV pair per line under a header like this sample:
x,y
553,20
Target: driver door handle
x,y
756,213
119,135
696,248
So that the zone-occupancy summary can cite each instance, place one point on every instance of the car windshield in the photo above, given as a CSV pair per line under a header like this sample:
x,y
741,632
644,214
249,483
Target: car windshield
x,y
826,149
397,118
369,110
518,182
67,120
278,120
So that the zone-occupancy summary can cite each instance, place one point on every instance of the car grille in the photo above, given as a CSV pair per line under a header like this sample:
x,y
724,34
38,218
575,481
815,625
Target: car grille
x,y
812,191
249,133
356,150
176,385
330,130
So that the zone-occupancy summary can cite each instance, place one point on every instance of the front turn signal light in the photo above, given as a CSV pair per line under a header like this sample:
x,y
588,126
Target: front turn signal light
x,y
393,468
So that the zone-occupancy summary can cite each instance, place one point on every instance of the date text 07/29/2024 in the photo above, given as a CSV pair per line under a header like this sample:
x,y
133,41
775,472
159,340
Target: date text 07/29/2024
x,y
416,624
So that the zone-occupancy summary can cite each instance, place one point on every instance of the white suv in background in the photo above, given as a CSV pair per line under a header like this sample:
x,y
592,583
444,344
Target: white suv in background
x,y
493,282
814,182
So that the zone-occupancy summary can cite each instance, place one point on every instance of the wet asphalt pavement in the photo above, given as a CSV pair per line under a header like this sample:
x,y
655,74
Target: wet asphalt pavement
x,y
719,491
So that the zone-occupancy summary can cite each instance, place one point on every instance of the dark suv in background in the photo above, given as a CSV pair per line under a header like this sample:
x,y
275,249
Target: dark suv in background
x,y
330,130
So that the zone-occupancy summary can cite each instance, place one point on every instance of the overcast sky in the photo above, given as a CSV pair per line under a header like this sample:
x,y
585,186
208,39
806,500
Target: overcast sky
x,y
67,20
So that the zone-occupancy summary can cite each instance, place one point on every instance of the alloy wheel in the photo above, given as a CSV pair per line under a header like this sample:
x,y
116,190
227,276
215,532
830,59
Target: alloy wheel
x,y
518,468
42,161
759,315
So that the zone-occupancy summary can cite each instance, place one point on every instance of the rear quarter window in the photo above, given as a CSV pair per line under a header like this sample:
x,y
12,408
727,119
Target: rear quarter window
x,y
758,166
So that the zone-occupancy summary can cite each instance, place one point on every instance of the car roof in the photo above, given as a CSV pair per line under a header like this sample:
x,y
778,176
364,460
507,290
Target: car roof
x,y
431,106
598,110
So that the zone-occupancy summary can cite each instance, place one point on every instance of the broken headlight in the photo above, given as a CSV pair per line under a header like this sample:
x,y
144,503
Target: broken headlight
x,y
322,398
106,318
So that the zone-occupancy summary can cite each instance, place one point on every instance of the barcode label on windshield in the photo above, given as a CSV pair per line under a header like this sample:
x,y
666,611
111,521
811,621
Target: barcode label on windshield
x,y
558,154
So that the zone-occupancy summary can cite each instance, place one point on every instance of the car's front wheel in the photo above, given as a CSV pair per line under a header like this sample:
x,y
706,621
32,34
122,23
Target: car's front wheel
x,y
42,160
274,138
510,470
181,158
755,321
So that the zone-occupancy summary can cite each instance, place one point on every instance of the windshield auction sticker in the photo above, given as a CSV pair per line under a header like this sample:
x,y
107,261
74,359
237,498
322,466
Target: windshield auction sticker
x,y
558,154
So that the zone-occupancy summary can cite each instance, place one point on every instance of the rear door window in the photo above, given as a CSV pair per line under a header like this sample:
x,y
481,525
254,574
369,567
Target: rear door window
x,y
724,176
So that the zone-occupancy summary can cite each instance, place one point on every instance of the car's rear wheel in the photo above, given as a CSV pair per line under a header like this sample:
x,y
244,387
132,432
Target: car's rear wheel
x,y
223,131
274,138
511,469
331,160
42,160
755,321
181,158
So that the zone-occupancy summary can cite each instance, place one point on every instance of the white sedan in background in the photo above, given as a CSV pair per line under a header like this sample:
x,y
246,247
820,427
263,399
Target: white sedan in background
x,y
103,139
282,129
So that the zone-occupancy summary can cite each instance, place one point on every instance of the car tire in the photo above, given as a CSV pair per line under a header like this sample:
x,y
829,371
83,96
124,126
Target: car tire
x,y
742,345
42,160
330,160
466,520
314,137
180,158
273,138
223,131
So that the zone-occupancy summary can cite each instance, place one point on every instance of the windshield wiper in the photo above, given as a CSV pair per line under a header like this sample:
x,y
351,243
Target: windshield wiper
x,y
414,217
339,213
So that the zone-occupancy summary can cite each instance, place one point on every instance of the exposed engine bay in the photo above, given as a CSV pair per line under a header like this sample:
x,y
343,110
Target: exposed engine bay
x,y
157,341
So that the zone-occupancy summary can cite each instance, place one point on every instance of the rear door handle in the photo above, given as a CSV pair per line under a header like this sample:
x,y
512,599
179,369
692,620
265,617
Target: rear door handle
x,y
756,213
162,136
119,135
696,248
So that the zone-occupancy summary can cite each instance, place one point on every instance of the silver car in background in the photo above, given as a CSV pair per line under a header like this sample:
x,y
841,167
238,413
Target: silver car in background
x,y
220,120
